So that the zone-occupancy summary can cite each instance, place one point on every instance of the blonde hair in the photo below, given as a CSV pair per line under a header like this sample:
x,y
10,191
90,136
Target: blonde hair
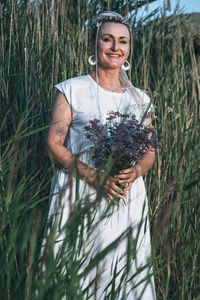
x,y
97,21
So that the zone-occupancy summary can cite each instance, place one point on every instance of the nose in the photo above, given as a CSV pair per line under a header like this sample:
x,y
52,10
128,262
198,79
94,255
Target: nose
x,y
115,45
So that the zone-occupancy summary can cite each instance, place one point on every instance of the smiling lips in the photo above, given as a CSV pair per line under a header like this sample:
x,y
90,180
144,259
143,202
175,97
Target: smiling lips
x,y
113,55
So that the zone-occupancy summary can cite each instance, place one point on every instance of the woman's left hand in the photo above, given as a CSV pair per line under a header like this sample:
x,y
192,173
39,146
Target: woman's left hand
x,y
126,177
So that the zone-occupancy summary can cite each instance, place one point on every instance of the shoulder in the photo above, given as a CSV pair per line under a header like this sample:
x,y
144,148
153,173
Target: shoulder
x,y
73,82
144,105
144,96
75,89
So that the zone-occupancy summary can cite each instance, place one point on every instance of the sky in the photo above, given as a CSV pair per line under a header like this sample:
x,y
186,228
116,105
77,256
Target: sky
x,y
187,6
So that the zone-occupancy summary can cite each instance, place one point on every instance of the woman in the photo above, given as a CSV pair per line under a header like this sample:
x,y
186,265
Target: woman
x,y
79,100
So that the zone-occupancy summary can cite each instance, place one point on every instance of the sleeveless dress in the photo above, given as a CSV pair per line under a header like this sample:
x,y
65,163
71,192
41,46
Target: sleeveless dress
x,y
88,101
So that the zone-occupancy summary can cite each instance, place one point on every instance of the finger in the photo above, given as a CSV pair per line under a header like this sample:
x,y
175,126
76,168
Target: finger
x,y
128,187
120,190
129,170
115,186
114,189
111,182
110,197
120,193
123,176
114,199
125,181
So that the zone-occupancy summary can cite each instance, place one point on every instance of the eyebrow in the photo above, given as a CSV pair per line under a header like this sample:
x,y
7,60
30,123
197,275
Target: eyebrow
x,y
121,37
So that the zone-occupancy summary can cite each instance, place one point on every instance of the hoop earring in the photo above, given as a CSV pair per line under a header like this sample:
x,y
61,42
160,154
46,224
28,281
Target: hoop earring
x,y
126,66
91,60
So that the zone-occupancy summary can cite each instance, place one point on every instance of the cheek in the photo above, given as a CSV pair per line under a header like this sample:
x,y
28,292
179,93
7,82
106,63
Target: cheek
x,y
126,54
100,49
127,50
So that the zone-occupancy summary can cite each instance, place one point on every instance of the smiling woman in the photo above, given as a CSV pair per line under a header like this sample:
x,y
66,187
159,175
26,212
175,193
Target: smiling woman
x,y
120,273
113,46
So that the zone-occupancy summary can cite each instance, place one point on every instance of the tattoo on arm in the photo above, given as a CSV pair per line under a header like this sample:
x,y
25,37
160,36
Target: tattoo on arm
x,y
60,131
60,135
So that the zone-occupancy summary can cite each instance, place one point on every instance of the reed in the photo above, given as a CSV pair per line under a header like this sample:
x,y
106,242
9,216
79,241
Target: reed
x,y
45,42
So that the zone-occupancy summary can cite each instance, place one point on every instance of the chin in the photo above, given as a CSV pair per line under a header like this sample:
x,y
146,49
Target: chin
x,y
112,66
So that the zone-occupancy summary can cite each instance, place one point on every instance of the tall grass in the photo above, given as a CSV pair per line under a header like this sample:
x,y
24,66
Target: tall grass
x,y
45,42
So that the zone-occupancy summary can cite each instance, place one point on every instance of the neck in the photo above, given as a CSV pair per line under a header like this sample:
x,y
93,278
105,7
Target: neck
x,y
107,79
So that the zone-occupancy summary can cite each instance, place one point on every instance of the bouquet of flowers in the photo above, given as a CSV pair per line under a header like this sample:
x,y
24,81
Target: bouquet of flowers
x,y
121,141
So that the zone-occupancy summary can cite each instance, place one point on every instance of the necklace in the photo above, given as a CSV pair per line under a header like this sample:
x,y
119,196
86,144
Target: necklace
x,y
117,91
115,95
117,100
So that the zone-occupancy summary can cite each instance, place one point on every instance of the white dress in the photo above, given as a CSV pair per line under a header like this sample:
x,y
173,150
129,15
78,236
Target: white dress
x,y
89,101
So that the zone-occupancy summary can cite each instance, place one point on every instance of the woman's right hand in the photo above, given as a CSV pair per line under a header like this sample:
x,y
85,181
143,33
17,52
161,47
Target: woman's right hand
x,y
111,188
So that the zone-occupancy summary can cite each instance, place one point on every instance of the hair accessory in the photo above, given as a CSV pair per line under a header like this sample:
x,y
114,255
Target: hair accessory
x,y
126,66
97,21
91,60
109,16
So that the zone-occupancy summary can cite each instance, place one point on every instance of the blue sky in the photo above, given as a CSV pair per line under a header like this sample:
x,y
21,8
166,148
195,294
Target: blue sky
x,y
187,6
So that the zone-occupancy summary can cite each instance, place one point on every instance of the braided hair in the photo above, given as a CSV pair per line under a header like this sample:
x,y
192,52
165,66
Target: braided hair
x,y
113,17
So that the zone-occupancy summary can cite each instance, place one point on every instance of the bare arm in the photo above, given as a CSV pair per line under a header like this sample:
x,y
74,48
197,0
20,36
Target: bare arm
x,y
61,120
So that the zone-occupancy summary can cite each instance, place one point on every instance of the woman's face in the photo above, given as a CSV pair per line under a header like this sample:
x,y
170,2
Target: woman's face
x,y
113,45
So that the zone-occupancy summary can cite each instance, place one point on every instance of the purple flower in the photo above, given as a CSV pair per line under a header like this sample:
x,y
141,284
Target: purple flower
x,y
122,140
